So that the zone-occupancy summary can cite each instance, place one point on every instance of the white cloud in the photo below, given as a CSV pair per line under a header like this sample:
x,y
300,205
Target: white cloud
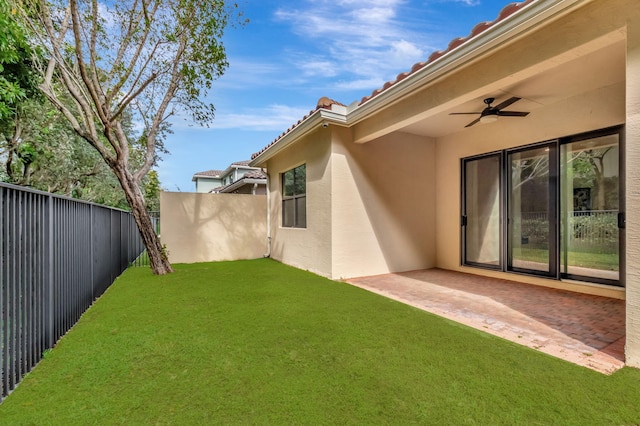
x,y
273,117
246,72
318,67
356,42
469,2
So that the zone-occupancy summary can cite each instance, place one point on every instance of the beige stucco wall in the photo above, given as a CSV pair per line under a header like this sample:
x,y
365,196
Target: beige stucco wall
x,y
210,227
632,350
308,248
370,208
383,209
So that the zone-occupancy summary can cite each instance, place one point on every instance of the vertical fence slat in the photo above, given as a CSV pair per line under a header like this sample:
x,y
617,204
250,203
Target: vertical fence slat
x,y
57,256
3,313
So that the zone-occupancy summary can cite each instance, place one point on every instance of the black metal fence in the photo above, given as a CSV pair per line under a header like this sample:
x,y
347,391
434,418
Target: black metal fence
x,y
58,256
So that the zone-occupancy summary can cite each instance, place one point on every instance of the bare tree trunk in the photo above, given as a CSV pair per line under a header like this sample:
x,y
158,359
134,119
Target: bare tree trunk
x,y
157,255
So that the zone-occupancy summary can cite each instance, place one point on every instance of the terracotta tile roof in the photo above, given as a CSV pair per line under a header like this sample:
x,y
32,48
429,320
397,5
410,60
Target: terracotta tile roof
x,y
326,103
323,103
507,11
209,173
254,174
241,163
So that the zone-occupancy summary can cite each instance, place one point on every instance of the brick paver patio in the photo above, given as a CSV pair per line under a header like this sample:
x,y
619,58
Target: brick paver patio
x,y
583,329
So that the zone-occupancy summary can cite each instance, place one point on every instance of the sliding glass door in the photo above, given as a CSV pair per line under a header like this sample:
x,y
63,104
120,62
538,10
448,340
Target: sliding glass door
x,y
532,210
589,208
481,211
553,209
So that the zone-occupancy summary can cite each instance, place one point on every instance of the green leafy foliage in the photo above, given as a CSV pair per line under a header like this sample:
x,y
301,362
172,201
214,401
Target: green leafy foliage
x,y
17,79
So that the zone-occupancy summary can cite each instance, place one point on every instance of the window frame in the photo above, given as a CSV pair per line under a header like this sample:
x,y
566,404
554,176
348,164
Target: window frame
x,y
299,219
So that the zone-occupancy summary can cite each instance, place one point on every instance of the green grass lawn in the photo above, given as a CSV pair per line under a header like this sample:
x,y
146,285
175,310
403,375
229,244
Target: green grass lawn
x,y
257,342
602,261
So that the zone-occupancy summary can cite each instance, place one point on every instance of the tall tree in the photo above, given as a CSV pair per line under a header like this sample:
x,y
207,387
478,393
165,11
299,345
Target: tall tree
x,y
150,57
17,80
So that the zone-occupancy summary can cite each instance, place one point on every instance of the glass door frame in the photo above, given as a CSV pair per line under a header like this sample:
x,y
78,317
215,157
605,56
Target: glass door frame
x,y
553,203
620,131
464,211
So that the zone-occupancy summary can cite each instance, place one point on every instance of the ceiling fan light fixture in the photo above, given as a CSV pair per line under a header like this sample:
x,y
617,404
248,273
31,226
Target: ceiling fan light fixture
x,y
491,118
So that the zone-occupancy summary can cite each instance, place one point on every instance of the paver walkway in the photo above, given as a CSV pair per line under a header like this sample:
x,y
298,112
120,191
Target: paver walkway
x,y
583,329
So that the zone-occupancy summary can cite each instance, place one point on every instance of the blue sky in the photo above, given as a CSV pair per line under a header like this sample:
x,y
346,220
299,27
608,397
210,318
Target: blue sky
x,y
293,52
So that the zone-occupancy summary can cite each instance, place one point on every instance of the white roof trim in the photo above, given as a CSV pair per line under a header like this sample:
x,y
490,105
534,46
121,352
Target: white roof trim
x,y
314,121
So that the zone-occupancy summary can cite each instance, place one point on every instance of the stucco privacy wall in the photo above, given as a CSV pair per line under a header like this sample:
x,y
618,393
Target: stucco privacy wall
x,y
308,248
383,209
632,350
198,227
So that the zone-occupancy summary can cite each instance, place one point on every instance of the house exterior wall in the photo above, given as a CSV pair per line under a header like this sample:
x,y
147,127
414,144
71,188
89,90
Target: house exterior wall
x,y
212,227
632,169
383,210
206,185
565,118
308,248
369,220
596,109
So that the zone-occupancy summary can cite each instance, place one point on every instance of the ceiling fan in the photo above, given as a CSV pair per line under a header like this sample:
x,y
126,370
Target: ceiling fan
x,y
491,113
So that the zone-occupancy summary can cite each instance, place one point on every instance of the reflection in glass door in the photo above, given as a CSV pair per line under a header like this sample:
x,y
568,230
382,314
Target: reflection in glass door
x,y
554,209
531,204
590,206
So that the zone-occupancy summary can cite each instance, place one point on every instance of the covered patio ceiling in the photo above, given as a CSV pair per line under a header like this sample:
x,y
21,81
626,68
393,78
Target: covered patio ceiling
x,y
578,71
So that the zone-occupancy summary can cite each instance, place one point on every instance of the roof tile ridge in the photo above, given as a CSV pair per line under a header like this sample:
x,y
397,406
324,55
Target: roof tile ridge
x,y
323,103
479,28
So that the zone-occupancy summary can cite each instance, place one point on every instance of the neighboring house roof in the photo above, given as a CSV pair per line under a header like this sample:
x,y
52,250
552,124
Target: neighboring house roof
x,y
250,178
255,174
217,174
207,174
327,104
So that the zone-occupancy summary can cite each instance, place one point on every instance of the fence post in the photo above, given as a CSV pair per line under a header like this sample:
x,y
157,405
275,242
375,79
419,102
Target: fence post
x,y
93,282
49,332
3,316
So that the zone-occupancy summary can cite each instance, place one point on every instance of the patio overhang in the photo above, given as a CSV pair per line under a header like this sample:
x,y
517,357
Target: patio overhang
x,y
551,72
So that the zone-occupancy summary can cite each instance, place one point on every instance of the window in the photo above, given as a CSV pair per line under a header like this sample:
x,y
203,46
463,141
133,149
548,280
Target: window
x,y
294,199
552,209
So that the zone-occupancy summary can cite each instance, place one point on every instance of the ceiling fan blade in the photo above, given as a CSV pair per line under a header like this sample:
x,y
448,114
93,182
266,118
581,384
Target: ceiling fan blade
x,y
473,122
512,113
506,103
464,113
